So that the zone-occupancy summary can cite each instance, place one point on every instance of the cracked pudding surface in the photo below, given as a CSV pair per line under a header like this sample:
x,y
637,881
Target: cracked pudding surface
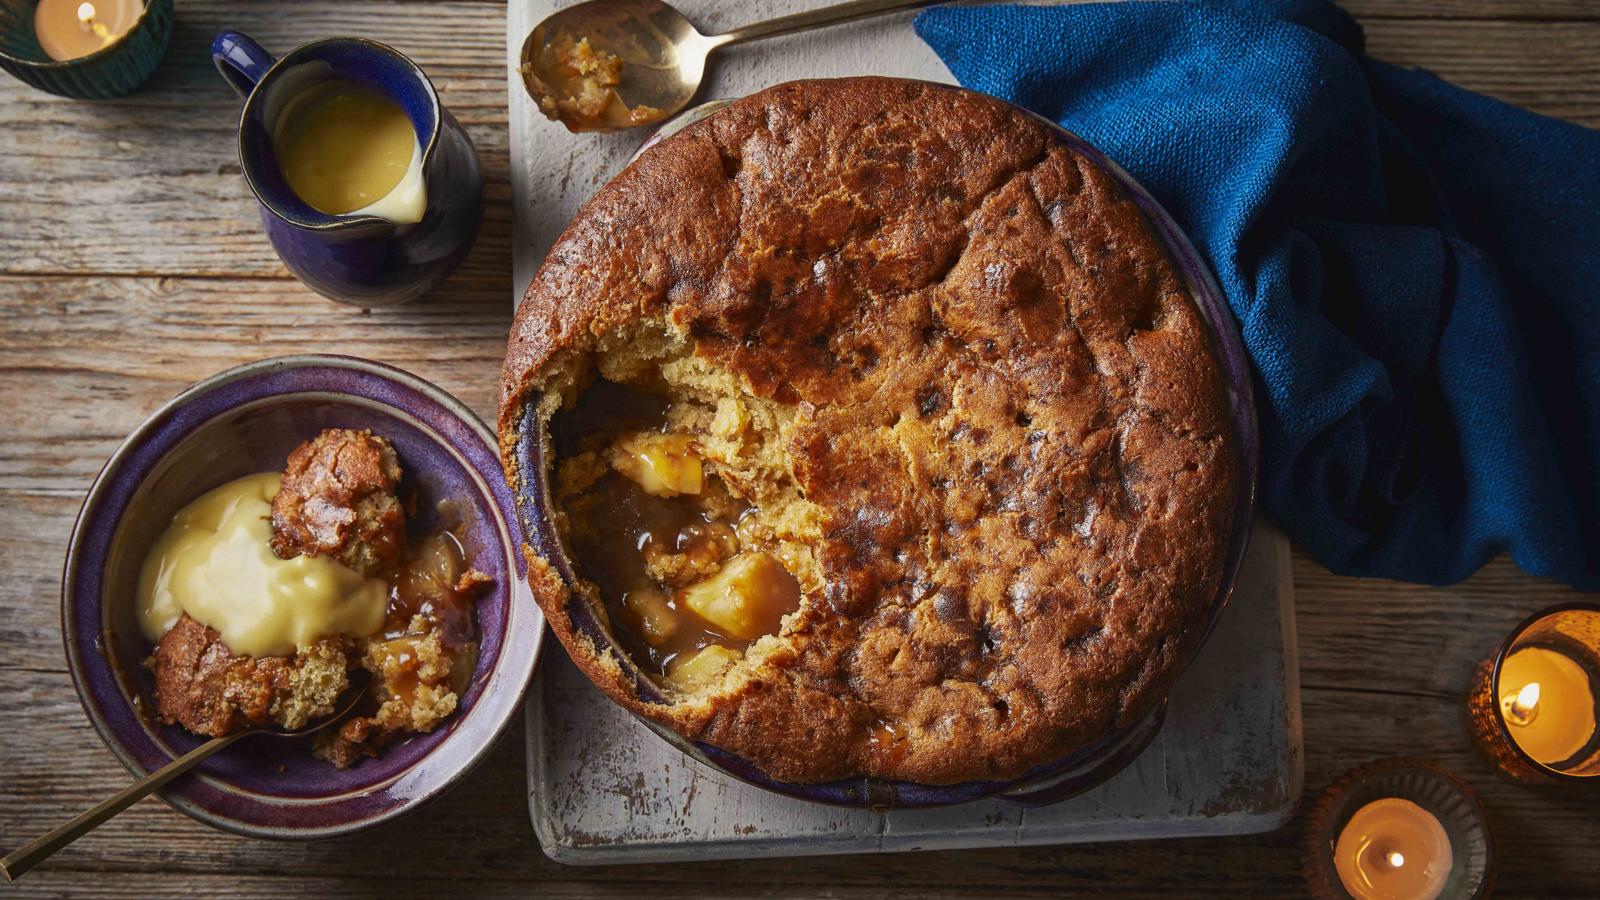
x,y
950,381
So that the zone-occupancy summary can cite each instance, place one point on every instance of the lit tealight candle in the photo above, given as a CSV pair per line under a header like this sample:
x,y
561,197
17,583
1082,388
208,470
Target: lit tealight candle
x,y
1396,829
69,29
1531,707
1393,849
1546,699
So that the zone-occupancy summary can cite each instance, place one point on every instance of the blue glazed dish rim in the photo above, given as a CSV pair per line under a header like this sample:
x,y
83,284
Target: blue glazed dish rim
x,y
318,221
450,753
55,65
1104,756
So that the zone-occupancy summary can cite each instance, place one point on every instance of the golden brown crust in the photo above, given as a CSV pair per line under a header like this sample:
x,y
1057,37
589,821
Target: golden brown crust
x,y
1006,406
203,686
338,499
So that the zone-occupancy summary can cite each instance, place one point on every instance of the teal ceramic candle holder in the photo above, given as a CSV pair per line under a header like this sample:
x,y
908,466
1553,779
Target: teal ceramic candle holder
x,y
112,72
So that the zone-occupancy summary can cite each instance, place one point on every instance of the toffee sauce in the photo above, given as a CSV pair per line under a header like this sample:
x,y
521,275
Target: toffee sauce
x,y
649,617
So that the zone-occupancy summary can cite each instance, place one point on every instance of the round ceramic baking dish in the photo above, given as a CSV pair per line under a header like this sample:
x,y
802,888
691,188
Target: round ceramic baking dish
x,y
1048,783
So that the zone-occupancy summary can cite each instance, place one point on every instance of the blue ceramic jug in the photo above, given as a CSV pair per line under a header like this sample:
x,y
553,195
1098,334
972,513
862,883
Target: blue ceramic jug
x,y
363,260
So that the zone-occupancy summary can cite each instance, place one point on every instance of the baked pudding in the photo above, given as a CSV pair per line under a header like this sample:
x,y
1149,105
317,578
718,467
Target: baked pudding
x,y
882,433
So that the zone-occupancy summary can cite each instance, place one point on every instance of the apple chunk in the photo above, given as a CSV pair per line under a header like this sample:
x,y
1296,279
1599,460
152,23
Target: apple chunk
x,y
747,598
700,668
665,465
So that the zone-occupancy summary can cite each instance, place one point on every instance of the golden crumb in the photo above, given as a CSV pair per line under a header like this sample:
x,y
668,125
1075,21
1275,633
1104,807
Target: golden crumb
x,y
413,690
577,474
317,679
581,59
579,87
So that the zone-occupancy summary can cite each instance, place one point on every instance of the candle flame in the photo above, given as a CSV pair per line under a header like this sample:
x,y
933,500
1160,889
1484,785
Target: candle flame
x,y
86,13
1522,707
1397,859
1528,697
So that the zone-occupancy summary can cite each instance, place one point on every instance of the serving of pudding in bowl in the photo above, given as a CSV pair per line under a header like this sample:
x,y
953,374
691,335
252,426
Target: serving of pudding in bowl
x,y
265,592
272,534
877,430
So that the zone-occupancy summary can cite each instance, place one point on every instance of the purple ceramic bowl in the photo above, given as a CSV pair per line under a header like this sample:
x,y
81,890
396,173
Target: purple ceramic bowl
x,y
1049,783
247,420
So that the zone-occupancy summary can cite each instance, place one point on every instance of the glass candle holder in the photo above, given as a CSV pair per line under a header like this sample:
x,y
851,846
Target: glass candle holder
x,y
1398,828
1532,707
123,64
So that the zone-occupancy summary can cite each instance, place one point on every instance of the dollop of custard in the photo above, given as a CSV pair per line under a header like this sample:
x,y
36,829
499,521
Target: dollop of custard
x,y
214,563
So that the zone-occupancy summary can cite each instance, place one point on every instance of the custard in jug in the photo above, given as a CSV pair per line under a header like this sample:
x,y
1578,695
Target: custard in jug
x,y
348,149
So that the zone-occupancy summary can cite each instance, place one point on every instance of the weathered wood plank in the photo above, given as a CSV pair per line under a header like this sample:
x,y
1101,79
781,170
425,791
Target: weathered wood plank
x,y
1439,633
1549,67
96,355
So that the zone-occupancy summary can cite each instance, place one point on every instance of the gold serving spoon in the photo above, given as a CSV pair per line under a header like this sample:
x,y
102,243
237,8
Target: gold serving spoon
x,y
663,56
40,848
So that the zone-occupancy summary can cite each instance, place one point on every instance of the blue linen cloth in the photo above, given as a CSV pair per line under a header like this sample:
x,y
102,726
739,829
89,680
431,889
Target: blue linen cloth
x,y
1415,268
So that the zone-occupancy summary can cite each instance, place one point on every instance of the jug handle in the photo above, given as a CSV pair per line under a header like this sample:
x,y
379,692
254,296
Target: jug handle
x,y
240,61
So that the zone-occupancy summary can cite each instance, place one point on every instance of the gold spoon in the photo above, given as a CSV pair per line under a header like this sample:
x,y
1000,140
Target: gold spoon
x,y
37,850
663,55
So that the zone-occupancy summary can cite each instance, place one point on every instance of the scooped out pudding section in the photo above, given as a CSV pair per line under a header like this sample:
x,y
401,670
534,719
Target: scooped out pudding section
x,y
684,563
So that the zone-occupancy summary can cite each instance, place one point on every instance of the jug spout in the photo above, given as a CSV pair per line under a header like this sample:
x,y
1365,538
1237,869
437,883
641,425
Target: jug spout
x,y
406,202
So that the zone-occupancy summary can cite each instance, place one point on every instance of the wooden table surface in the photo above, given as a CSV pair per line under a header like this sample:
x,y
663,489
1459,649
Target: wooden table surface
x,y
132,264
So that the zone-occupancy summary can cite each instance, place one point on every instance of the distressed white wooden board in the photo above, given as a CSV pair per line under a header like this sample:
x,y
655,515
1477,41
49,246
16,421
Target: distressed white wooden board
x,y
604,789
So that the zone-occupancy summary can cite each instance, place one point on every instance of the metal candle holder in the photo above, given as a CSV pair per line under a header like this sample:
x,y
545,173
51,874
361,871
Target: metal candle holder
x,y
1495,709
